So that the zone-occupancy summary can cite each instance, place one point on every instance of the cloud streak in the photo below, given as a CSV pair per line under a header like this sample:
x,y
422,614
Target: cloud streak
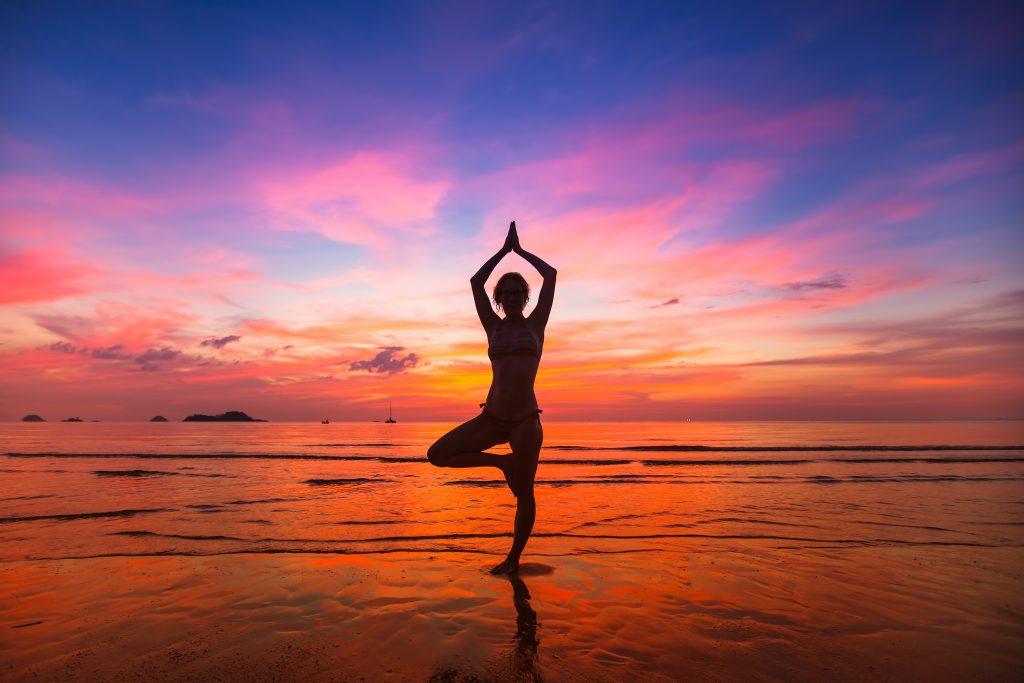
x,y
388,362
221,342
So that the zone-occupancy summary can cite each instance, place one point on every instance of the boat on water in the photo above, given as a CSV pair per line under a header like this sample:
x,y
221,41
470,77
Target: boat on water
x,y
391,418
325,421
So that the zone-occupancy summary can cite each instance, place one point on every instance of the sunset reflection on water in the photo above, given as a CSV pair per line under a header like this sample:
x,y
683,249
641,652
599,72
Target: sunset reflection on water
x,y
180,549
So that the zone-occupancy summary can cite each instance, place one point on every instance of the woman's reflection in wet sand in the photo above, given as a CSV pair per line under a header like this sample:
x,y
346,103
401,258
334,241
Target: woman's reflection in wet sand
x,y
519,663
522,663
524,656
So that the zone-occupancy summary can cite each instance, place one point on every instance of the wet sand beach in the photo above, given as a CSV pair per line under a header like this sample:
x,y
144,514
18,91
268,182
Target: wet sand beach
x,y
200,553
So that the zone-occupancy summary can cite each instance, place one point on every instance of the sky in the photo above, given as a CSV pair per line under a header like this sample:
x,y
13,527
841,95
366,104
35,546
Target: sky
x,y
785,212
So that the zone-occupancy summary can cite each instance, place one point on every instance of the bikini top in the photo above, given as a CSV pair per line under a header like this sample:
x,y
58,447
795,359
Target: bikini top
x,y
519,342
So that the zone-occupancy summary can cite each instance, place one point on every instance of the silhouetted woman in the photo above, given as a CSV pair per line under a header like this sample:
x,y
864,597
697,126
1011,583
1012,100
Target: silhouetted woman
x,y
510,414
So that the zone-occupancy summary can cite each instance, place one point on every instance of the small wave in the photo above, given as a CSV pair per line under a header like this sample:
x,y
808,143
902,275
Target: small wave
x,y
358,445
24,471
868,479
741,520
343,482
815,479
368,522
583,461
264,500
215,507
482,483
696,448
184,537
837,544
905,526
26,498
132,473
806,461
607,520
375,539
674,463
315,551
870,461
562,534
31,623
83,515
602,477
200,456
149,473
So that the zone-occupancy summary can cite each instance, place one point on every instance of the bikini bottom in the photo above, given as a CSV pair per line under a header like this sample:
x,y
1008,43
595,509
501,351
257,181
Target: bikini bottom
x,y
505,427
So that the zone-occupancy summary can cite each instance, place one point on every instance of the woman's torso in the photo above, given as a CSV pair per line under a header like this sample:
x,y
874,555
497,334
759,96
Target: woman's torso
x,y
515,349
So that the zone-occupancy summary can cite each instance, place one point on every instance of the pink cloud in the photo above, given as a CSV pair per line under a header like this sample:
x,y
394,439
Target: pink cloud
x,y
47,224
365,199
687,118
966,166
810,126
37,275
71,195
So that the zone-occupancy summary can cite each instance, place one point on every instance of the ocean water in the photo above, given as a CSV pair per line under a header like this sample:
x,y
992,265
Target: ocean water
x,y
77,490
766,551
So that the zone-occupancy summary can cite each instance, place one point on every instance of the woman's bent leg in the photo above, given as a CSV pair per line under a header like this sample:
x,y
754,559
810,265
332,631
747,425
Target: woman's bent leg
x,y
465,446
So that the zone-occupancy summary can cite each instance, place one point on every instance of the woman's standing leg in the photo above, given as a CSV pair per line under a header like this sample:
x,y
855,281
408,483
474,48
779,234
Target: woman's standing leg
x,y
525,440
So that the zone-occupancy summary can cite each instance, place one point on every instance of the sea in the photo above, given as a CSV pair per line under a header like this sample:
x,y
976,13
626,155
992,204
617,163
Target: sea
x,y
104,489
724,551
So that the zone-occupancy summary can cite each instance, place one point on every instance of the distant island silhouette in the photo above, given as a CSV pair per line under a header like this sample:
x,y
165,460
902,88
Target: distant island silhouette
x,y
32,418
158,418
230,416
73,419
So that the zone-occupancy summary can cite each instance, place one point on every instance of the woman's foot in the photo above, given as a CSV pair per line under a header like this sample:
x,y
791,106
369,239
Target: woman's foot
x,y
507,567
509,470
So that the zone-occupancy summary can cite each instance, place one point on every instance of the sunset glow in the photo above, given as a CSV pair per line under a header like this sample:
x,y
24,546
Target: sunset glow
x,y
753,216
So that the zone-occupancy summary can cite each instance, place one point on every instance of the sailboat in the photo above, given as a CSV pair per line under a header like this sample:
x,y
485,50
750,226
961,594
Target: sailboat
x,y
391,419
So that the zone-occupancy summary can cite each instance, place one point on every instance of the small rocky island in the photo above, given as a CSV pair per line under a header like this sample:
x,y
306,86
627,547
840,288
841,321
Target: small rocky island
x,y
32,418
158,418
230,416
73,419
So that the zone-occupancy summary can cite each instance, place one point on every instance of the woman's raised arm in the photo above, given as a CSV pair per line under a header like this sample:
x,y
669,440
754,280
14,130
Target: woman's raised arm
x,y
547,290
483,305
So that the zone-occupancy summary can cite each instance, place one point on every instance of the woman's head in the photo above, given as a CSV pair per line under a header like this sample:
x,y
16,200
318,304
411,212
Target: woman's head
x,y
512,292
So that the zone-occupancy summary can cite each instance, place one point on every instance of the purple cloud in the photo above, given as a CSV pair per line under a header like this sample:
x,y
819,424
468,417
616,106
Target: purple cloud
x,y
66,347
115,352
834,281
148,359
388,361
220,343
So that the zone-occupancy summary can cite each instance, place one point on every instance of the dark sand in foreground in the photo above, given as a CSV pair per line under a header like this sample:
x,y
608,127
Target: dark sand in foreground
x,y
719,611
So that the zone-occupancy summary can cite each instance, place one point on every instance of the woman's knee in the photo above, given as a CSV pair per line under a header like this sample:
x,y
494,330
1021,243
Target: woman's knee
x,y
525,497
437,455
